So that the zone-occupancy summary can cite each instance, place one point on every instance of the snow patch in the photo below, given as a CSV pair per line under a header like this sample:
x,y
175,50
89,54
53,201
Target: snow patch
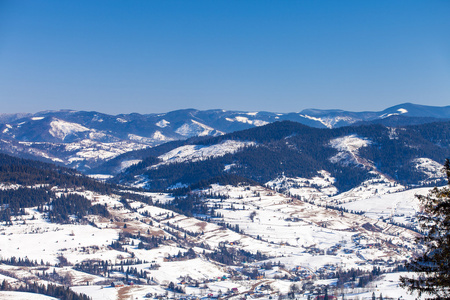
x,y
101,177
399,207
162,124
400,112
246,120
195,129
92,151
154,140
377,185
128,163
121,120
200,152
308,188
330,122
159,136
227,168
95,135
60,129
37,118
348,147
432,169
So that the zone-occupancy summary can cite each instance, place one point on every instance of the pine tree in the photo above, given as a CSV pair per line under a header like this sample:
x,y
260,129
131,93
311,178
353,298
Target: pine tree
x,y
4,286
433,266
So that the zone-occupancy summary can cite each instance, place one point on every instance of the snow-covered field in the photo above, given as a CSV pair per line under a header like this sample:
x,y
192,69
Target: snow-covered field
x,y
290,232
4,295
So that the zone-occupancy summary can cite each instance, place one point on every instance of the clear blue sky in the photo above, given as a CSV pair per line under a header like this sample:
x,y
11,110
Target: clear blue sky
x,y
156,56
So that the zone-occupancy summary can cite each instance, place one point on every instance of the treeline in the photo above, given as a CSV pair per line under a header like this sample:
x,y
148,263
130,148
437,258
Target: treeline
x,y
13,201
59,209
27,172
223,179
52,290
352,275
23,262
296,150
189,205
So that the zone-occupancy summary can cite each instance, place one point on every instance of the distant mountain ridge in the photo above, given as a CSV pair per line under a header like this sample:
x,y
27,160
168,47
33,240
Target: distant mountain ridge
x,y
85,140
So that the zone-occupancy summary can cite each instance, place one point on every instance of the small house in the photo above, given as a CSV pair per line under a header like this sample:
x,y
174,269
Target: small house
x,y
117,284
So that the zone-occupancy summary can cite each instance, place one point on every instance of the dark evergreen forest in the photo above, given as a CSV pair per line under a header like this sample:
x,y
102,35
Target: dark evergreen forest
x,y
294,149
35,180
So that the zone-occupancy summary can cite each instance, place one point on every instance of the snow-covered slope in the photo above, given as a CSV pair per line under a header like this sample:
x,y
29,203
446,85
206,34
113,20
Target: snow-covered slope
x,y
199,152
301,241
348,147
195,128
60,129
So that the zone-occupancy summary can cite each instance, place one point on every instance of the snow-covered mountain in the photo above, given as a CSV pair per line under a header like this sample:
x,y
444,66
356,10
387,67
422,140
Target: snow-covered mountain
x,y
68,136
289,156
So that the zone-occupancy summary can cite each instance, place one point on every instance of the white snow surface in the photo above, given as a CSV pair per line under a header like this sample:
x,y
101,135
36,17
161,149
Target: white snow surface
x,y
329,122
348,147
246,120
128,163
432,169
296,233
157,135
195,128
101,177
378,185
93,150
291,226
200,152
162,124
23,296
400,112
308,188
401,207
60,129
39,239
156,138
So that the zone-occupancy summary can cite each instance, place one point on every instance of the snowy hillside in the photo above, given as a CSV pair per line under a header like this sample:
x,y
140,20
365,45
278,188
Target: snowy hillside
x,y
219,240
290,156
194,153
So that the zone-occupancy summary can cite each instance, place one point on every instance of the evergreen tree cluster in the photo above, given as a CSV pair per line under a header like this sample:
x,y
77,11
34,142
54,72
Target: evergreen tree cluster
x,y
52,290
59,209
35,180
68,205
13,201
27,172
432,268
234,256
